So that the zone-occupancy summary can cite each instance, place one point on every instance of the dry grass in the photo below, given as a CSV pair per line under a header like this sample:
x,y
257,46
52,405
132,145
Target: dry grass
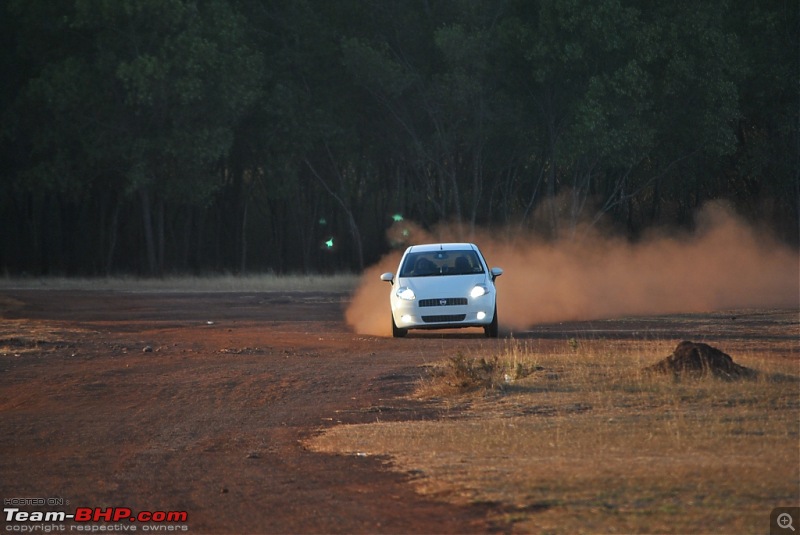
x,y
581,441
343,282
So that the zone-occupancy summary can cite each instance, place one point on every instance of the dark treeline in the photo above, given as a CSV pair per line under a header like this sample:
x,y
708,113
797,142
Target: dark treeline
x,y
170,136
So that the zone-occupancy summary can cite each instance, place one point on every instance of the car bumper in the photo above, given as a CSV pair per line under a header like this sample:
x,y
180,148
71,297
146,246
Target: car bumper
x,y
408,315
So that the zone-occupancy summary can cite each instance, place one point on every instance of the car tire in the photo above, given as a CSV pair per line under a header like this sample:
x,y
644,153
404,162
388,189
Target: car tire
x,y
492,330
397,332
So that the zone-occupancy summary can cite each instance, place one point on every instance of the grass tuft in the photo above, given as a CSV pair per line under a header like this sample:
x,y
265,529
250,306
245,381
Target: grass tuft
x,y
461,373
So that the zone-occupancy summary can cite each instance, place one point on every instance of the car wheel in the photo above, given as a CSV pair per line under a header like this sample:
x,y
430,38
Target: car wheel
x,y
397,332
492,330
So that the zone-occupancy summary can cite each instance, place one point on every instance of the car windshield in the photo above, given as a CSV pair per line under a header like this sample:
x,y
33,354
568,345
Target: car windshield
x,y
438,263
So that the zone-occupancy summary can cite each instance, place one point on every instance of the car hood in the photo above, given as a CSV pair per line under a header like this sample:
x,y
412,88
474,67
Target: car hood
x,y
444,285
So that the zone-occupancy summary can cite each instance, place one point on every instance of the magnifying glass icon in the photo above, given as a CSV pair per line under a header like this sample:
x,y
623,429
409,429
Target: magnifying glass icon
x,y
785,521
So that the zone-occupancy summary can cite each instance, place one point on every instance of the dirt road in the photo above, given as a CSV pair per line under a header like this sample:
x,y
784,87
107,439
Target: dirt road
x,y
198,403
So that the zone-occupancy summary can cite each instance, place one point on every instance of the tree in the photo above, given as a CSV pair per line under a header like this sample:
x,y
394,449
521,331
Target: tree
x,y
150,135
147,97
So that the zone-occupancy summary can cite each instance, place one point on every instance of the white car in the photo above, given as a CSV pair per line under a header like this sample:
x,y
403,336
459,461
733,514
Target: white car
x,y
443,286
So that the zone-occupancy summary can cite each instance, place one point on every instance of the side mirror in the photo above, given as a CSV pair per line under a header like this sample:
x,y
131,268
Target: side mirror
x,y
496,272
387,277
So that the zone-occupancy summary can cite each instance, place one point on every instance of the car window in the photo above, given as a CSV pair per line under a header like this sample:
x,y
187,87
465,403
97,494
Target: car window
x,y
439,263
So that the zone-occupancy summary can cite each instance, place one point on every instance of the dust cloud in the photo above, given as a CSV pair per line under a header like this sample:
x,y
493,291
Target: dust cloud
x,y
724,264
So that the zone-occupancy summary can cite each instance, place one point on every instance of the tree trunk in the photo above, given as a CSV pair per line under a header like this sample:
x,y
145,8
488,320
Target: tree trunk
x,y
112,238
160,236
149,236
243,257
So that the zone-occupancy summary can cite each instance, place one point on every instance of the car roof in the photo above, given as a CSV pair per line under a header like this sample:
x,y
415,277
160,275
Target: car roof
x,y
428,247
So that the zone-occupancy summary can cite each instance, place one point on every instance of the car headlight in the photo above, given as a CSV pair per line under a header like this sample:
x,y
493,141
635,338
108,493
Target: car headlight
x,y
478,291
406,293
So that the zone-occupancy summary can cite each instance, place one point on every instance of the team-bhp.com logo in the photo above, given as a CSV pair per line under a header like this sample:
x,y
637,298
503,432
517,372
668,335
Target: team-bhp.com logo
x,y
119,514
91,518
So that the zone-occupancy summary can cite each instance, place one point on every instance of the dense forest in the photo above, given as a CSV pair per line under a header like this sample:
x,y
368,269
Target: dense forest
x,y
195,136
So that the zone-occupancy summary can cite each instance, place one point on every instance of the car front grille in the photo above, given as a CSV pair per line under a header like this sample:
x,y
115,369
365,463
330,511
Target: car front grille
x,y
443,302
446,318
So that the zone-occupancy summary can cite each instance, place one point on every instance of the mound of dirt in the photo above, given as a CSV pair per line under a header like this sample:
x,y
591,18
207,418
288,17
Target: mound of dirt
x,y
699,360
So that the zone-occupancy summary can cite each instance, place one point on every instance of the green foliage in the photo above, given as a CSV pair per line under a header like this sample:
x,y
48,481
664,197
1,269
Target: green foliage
x,y
152,90
244,122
